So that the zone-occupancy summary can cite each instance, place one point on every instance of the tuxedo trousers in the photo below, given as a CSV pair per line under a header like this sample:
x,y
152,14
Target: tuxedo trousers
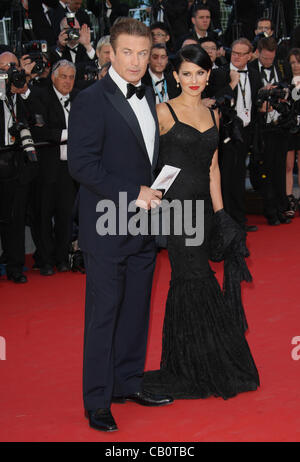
x,y
118,292
56,202
273,188
233,157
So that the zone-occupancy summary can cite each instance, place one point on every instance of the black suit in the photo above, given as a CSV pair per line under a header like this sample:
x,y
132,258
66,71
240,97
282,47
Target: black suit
x,y
274,148
172,89
40,24
233,154
247,14
81,58
175,16
192,34
57,189
107,155
15,195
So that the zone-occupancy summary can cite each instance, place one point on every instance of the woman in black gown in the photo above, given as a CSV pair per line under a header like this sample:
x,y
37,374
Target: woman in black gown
x,y
204,350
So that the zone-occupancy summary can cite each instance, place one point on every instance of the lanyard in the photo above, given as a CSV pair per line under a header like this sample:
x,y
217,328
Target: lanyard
x,y
161,95
243,91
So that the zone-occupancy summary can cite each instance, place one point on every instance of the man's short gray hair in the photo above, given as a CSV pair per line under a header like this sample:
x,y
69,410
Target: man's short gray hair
x,y
105,40
62,62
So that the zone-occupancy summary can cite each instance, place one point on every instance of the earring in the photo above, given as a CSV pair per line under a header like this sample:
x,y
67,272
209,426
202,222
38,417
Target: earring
x,y
206,82
178,85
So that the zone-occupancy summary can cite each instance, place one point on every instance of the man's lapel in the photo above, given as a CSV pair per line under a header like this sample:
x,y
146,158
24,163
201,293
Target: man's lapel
x,y
57,107
151,103
120,103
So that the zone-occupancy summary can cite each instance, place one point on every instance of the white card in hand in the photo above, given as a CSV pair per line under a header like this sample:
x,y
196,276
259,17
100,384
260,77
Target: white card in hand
x,y
166,178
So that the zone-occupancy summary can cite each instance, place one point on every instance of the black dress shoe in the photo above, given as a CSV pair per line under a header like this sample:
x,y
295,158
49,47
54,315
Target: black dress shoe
x,y
273,222
144,398
284,219
62,267
46,270
102,420
250,228
18,278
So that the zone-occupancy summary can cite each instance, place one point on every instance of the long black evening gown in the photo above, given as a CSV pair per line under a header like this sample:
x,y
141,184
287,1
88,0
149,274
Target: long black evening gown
x,y
204,350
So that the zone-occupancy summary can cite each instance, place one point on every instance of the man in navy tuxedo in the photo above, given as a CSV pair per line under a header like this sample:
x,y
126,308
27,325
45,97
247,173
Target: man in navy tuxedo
x,y
113,148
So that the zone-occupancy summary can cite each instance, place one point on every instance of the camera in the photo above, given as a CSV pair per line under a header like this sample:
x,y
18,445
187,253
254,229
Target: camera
x,y
91,72
36,49
21,130
11,77
72,32
278,98
231,126
15,76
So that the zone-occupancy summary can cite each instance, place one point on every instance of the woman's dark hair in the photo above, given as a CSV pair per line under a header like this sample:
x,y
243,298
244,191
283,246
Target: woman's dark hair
x,y
192,54
294,52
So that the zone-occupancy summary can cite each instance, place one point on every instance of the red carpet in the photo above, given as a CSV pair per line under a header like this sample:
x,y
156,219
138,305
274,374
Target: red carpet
x,y
40,380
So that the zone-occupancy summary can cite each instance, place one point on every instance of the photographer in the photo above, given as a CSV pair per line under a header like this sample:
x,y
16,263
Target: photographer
x,y
293,138
15,191
57,189
74,45
240,83
41,14
274,146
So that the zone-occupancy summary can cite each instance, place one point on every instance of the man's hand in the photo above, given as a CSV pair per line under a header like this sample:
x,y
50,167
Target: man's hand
x,y
235,78
18,91
62,39
85,37
27,64
148,198
208,102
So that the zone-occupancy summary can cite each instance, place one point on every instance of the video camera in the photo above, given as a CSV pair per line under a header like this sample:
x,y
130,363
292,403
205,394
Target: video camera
x,y
36,49
72,32
279,98
231,124
285,99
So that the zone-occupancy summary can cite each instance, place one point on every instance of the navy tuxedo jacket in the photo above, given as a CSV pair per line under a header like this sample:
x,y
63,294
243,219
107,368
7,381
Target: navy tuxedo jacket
x,y
107,155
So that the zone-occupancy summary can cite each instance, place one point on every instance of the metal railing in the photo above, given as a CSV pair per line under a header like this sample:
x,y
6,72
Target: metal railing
x,y
5,24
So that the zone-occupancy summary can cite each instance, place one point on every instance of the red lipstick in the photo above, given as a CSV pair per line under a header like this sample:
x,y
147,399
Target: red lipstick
x,y
194,87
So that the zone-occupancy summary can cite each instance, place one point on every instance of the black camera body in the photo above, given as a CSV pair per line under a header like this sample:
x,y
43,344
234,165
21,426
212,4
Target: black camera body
x,y
231,124
12,76
36,49
277,97
72,32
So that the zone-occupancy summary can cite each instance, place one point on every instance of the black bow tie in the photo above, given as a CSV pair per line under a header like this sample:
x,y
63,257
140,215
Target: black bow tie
x,y
266,68
75,49
132,89
160,81
243,72
66,103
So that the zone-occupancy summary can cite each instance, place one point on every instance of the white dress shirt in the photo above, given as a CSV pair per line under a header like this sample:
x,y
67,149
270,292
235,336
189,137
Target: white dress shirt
x,y
8,120
243,109
142,111
64,133
46,11
159,87
273,115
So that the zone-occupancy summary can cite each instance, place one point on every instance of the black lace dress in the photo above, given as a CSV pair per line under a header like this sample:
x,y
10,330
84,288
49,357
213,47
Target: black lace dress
x,y
204,350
